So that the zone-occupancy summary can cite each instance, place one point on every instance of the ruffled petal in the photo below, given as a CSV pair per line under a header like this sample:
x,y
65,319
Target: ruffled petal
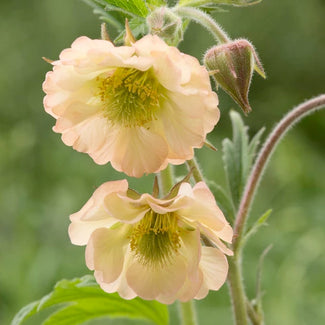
x,y
203,208
188,107
93,214
138,151
124,210
89,136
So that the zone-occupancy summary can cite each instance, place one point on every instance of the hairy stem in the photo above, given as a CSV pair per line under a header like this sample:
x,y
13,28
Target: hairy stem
x,y
194,166
237,291
252,315
205,20
263,157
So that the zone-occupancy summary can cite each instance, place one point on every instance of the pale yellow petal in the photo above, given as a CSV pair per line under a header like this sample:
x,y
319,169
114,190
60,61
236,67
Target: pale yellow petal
x,y
214,266
105,252
124,210
138,151
93,214
149,283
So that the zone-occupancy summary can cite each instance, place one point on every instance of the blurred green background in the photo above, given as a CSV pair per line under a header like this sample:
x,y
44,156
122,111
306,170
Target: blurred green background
x,y
43,181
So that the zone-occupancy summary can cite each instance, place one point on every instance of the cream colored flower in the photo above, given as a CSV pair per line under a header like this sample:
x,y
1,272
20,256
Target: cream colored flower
x,y
143,246
138,107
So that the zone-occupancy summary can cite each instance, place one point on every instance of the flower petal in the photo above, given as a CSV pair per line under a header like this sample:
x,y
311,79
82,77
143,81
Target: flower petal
x,y
214,266
105,252
124,210
138,151
93,214
204,210
214,237
120,285
158,281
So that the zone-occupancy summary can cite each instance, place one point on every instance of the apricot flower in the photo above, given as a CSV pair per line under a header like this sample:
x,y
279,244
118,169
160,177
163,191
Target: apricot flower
x,y
139,107
143,246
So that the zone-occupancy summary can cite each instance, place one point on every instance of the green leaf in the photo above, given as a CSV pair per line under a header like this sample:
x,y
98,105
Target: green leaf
x,y
200,3
238,156
81,299
25,313
235,157
252,148
133,7
156,3
261,221
113,18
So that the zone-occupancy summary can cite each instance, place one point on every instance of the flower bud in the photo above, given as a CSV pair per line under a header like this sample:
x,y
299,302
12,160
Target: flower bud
x,y
232,66
166,24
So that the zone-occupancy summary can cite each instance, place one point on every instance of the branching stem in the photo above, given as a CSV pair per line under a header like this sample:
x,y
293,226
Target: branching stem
x,y
205,20
263,157
239,300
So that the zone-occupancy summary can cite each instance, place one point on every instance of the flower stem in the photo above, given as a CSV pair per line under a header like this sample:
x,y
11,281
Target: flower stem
x,y
188,313
235,282
194,166
205,20
263,157
166,179
237,292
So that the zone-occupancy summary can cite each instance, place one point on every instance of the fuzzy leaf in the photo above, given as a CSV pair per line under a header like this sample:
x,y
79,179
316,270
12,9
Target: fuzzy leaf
x,y
238,156
235,157
81,299
252,148
199,3
114,18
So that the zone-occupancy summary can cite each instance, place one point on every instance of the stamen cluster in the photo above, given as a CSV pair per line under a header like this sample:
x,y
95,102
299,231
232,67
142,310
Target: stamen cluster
x,y
156,239
130,97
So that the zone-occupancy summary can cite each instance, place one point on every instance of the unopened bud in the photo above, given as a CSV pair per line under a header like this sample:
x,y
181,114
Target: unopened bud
x,y
166,24
232,66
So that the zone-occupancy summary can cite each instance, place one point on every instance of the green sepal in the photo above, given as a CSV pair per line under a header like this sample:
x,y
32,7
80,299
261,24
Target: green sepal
x,y
138,27
133,194
174,191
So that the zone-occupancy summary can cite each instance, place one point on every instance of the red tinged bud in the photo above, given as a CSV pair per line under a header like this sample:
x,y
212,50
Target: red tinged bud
x,y
232,65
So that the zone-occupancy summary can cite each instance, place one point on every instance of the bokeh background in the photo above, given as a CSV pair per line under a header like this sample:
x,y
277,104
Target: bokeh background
x,y
43,181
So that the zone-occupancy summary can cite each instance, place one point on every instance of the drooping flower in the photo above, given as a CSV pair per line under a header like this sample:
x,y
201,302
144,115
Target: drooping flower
x,y
139,107
143,246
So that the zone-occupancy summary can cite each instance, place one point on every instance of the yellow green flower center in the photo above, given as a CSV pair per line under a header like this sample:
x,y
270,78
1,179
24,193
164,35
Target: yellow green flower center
x,y
156,239
131,97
